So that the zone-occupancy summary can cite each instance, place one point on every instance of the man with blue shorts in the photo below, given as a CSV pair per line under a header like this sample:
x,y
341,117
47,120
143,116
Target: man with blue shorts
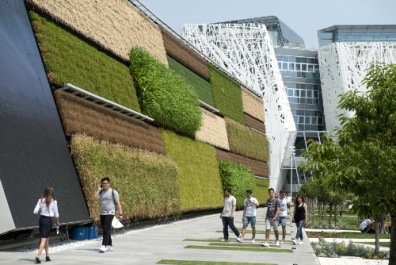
x,y
249,215
271,217
283,203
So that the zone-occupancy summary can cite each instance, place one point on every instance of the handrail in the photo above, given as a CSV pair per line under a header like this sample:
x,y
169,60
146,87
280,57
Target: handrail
x,y
208,107
104,102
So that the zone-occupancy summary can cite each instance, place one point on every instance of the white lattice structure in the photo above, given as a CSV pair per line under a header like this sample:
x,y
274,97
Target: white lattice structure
x,y
342,67
246,51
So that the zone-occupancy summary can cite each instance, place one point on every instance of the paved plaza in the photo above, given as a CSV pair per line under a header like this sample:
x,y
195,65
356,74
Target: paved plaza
x,y
167,242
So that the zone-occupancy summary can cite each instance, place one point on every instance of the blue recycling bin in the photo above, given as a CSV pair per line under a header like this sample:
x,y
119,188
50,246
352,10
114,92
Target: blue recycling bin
x,y
78,233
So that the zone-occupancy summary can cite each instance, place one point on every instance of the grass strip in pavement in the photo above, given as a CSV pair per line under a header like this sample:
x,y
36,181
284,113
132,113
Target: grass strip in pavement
x,y
262,249
198,262
258,240
348,235
250,231
382,244
249,245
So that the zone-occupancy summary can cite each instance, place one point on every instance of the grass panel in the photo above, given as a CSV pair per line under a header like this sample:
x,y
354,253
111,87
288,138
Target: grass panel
x,y
238,178
262,249
258,168
68,59
252,104
80,116
200,85
198,177
164,95
116,25
226,94
247,142
183,54
262,186
147,182
197,262
213,130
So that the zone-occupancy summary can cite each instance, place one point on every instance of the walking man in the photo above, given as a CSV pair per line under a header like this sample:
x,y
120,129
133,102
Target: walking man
x,y
271,217
109,202
227,215
283,207
249,215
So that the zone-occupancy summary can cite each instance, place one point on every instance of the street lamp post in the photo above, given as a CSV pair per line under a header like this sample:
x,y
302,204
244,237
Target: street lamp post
x,y
291,172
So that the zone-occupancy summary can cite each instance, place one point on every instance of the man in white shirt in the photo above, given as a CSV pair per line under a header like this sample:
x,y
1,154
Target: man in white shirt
x,y
249,215
283,203
367,226
227,215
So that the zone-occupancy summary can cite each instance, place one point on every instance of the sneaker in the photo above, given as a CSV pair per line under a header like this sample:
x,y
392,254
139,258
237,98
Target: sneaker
x,y
47,258
102,249
265,244
282,242
294,241
109,248
37,260
224,240
302,242
277,243
253,240
239,239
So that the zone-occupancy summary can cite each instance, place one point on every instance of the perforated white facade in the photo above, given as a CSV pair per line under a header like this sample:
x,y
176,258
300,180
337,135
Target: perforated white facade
x,y
343,66
246,51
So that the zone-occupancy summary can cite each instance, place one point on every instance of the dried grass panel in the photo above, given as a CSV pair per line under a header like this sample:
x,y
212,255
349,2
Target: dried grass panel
x,y
116,25
81,116
252,104
213,130
255,124
184,55
258,168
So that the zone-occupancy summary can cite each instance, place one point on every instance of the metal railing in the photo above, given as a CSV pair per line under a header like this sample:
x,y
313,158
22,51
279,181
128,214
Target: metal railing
x,y
104,102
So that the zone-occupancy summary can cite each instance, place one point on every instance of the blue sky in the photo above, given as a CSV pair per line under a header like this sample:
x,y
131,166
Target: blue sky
x,y
305,17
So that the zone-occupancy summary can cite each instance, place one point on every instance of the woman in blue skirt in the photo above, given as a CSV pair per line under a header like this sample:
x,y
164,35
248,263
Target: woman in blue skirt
x,y
46,208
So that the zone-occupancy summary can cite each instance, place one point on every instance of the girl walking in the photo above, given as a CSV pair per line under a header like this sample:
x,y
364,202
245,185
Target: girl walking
x,y
300,217
46,208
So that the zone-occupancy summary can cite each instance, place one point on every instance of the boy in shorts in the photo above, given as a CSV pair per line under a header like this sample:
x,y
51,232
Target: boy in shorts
x,y
249,215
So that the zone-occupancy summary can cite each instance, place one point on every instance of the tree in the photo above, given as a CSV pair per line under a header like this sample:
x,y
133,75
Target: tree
x,y
361,160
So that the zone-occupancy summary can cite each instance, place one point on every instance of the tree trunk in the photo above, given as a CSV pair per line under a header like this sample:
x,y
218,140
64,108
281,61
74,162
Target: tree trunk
x,y
331,215
392,250
377,232
335,214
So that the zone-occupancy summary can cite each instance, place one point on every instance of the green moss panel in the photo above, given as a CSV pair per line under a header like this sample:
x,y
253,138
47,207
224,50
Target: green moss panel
x,y
227,94
200,85
261,194
198,172
68,59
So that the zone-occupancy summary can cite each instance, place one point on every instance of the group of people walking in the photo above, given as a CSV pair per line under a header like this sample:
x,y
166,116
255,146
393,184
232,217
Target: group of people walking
x,y
47,208
277,211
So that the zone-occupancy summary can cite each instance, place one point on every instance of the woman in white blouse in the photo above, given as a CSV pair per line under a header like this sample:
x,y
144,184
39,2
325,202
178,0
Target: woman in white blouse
x,y
46,208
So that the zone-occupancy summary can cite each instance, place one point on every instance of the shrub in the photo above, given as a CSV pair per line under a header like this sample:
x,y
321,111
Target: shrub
x,y
226,94
164,95
198,177
334,249
262,186
146,181
247,142
200,85
238,178
68,59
